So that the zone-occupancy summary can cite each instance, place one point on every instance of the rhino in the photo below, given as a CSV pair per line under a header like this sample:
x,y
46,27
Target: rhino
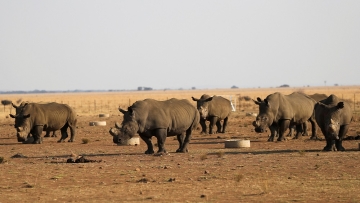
x,y
19,108
34,118
277,112
317,97
161,119
213,109
333,116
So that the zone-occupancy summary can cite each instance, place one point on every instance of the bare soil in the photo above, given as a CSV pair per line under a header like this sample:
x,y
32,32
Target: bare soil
x,y
289,171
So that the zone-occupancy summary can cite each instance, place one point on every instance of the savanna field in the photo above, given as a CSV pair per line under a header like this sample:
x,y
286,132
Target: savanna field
x,y
288,171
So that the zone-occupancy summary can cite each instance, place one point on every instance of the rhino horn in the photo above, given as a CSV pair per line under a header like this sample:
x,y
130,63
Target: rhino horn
x,y
340,105
209,99
332,121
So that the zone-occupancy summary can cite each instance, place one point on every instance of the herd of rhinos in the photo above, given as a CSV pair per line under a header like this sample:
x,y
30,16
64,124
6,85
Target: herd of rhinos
x,y
179,118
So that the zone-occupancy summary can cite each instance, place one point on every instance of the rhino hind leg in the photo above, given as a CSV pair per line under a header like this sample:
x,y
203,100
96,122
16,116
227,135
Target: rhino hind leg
x,y
211,125
184,147
225,124
180,139
64,134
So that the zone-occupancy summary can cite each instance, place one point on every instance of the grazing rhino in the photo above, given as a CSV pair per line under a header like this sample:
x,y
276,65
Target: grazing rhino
x,y
160,119
333,116
34,118
213,109
19,108
278,112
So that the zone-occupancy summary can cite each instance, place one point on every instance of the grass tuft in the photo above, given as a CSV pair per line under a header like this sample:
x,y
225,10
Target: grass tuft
x,y
85,141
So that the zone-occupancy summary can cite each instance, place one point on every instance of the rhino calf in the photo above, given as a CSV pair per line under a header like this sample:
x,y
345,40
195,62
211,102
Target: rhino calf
x,y
160,119
213,109
333,116
35,118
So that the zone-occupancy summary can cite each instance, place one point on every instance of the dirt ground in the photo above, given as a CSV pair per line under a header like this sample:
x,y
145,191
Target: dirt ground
x,y
289,171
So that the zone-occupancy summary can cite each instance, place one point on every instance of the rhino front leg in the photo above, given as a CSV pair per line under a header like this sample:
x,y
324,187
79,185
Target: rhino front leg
x,y
203,126
37,134
273,131
149,144
218,126
329,144
313,130
284,125
342,133
161,135
211,125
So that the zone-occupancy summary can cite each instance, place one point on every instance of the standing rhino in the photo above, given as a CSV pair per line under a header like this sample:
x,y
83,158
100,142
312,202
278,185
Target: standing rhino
x,y
19,108
34,118
213,109
160,119
278,112
333,117
317,97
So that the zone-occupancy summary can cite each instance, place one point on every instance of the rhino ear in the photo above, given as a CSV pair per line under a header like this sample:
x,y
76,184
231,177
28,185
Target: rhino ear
x,y
256,102
259,99
209,99
27,116
266,102
194,99
12,116
122,110
14,105
340,105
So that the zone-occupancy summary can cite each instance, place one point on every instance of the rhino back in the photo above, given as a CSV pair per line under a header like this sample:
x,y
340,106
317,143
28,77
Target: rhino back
x,y
219,107
296,106
174,115
52,115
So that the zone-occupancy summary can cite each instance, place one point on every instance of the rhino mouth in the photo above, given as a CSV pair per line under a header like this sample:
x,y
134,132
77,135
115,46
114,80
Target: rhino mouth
x,y
259,130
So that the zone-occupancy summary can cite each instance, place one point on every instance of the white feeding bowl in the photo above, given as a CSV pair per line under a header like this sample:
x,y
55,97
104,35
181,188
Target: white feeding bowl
x,y
237,143
132,141
104,115
97,123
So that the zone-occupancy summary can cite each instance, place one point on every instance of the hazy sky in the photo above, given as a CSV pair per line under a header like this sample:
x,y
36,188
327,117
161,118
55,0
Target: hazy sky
x,y
101,45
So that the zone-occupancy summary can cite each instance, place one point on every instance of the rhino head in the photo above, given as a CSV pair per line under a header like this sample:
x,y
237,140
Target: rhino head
x,y
265,117
203,105
22,125
129,127
332,118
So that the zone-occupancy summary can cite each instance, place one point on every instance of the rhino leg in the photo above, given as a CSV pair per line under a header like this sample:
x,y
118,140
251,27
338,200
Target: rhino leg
x,y
64,134
72,133
148,142
54,134
203,126
304,129
273,131
180,139
342,132
186,142
284,125
211,125
161,135
299,131
37,134
329,144
313,130
218,126
47,133
225,125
